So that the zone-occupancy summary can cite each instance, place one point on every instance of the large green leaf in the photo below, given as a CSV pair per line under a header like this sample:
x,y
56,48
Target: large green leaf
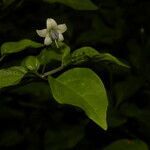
x,y
11,76
14,47
83,88
126,144
76,4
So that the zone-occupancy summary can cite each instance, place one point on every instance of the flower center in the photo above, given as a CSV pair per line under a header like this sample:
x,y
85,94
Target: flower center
x,y
54,35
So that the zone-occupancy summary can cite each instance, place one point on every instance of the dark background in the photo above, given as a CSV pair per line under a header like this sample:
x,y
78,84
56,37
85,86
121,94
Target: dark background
x,y
30,119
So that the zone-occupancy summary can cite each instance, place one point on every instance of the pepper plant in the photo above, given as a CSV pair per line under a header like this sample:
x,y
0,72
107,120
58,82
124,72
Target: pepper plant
x,y
78,86
86,64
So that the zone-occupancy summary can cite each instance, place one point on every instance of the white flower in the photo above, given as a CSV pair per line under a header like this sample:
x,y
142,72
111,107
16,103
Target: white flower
x,y
53,32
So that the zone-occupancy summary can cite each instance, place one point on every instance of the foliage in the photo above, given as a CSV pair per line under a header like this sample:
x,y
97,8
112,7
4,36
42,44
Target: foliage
x,y
82,88
86,90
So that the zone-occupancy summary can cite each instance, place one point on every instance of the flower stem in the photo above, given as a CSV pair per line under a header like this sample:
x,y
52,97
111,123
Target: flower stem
x,y
56,44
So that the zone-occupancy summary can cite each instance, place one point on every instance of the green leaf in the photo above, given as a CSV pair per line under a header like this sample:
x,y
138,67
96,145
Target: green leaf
x,y
126,144
66,57
83,54
14,47
76,4
88,51
31,63
49,54
83,88
106,57
11,76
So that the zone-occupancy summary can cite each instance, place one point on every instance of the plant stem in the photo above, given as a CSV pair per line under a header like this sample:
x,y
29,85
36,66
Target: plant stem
x,y
40,76
52,71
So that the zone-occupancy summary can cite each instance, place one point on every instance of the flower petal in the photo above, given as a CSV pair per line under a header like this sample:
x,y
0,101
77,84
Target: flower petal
x,y
51,23
42,33
61,28
60,37
47,40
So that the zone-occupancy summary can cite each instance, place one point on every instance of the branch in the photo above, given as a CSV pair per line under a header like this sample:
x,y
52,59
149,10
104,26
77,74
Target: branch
x,y
52,71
